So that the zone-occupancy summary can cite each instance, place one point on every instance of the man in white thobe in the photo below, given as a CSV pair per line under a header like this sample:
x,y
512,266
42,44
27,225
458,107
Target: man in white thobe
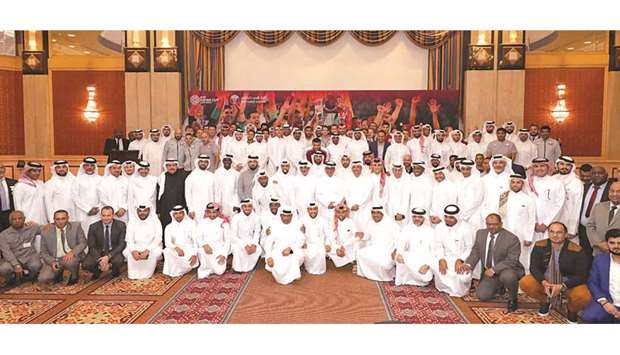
x,y
375,261
129,169
453,241
268,218
395,152
226,186
283,250
421,187
573,187
244,238
440,147
144,249
276,151
166,133
262,192
304,188
296,147
84,193
496,182
314,229
180,254
283,182
153,151
139,142
113,190
29,194
526,150
142,189
336,149
330,190
549,195
57,190
489,132
470,194
359,195
457,147
475,146
212,242
398,194
358,145
258,148
343,240
445,193
414,251
237,147
199,188
415,144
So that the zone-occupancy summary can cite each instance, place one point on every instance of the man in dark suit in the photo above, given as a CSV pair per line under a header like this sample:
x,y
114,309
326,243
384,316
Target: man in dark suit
x,y
498,250
380,145
116,143
6,198
106,242
604,217
604,284
593,193
558,266
62,247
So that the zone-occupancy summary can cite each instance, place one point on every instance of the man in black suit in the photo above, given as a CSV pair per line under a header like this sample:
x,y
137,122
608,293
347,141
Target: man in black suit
x,y
106,241
593,193
379,146
6,198
117,143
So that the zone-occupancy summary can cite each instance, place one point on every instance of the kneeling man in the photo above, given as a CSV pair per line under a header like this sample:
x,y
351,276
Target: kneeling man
x,y
314,227
245,230
143,244
342,240
180,254
213,244
414,251
375,261
283,249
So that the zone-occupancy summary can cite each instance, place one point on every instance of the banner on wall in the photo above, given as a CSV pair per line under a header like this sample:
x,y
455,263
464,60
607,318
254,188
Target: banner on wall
x,y
300,108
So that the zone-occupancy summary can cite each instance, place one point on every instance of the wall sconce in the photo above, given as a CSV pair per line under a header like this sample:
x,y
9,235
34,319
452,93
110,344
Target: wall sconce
x,y
511,50
165,51
614,50
560,112
137,58
34,53
91,113
480,50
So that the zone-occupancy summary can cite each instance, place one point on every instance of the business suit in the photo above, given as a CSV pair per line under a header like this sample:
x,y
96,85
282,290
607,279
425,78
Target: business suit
x,y
111,144
373,147
583,232
75,240
4,215
598,224
97,249
508,269
598,284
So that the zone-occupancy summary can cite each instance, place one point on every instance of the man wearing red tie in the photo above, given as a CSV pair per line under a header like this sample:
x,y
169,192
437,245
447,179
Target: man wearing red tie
x,y
593,193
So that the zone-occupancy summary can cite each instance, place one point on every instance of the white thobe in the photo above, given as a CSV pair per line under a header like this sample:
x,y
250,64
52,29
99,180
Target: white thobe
x,y
212,232
469,199
336,151
526,152
284,187
394,154
286,269
416,149
153,152
179,235
57,191
444,193
359,191
452,243
474,149
137,145
421,192
31,200
398,195
199,191
374,260
295,151
304,191
226,187
442,149
458,148
113,192
276,152
259,150
494,186
329,190
342,234
570,213
141,190
239,151
488,137
317,171
84,194
244,230
415,245
143,235
357,148
520,219
314,252
550,197
261,195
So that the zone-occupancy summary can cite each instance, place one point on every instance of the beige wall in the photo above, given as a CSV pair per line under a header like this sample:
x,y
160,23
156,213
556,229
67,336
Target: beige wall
x,y
152,99
37,116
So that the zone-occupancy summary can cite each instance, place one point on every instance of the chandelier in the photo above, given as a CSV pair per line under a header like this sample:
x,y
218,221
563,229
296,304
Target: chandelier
x,y
91,114
560,111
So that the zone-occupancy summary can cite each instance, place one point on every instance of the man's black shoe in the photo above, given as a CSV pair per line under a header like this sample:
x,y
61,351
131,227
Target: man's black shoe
x,y
116,272
96,274
572,317
72,280
544,309
512,306
58,277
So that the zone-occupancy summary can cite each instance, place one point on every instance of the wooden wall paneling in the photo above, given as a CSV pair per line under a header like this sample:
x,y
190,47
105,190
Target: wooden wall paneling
x,y
581,133
165,98
613,114
510,96
37,128
11,112
480,97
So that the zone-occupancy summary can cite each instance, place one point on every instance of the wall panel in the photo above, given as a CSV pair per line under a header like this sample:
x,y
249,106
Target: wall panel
x,y
11,113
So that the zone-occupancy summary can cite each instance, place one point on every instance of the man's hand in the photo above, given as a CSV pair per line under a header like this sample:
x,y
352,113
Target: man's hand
x,y
55,266
603,246
340,252
192,215
270,262
331,205
435,220
287,252
489,272
250,249
268,231
302,228
359,235
399,259
179,251
527,243
433,106
328,248
443,266
460,267
121,212
19,271
355,208
136,255
415,100
611,309
305,246
193,260
399,217
399,102
145,254
540,227
68,257
93,211
221,259
104,263
424,269
207,249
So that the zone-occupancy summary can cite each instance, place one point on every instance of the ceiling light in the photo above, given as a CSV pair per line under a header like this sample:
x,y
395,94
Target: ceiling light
x,y
71,46
54,40
587,42
86,52
571,48
70,35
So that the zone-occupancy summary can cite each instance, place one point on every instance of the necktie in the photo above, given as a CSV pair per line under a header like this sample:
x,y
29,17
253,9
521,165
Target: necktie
x,y
106,240
612,212
489,262
592,201
4,199
62,238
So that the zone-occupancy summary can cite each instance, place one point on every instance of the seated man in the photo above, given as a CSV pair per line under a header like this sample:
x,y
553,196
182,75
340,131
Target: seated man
x,y
283,252
558,266
62,248
144,237
414,251
453,241
180,254
604,284
314,228
498,250
17,246
244,238
106,241
213,243
375,261
342,240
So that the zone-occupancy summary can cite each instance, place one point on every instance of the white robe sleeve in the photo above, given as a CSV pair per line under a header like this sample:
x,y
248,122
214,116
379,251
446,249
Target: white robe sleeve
x,y
531,221
558,196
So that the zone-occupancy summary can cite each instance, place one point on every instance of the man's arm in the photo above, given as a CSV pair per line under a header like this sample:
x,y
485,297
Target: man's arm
x,y
81,240
512,257
474,255
581,270
45,252
536,269
92,241
594,283
121,242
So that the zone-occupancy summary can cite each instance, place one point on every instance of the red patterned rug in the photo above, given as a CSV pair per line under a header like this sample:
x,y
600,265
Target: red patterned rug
x,y
208,300
424,305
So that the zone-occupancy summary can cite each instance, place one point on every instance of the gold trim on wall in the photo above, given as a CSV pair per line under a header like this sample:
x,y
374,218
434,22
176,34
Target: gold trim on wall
x,y
10,63
82,62
566,60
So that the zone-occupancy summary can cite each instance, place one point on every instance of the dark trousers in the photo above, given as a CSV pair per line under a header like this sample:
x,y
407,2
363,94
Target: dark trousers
x,y
4,220
91,262
594,313
488,286
585,244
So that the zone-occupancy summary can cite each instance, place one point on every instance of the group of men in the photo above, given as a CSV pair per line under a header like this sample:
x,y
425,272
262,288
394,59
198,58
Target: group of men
x,y
409,206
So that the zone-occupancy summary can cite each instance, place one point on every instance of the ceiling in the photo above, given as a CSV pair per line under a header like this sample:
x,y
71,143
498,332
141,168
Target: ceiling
x,y
94,43
567,41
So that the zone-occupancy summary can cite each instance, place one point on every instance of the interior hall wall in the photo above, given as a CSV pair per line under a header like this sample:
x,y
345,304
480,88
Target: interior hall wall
x,y
73,135
581,133
12,140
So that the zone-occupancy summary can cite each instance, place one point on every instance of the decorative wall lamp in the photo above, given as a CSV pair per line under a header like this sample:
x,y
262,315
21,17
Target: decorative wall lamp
x,y
560,112
614,50
137,58
34,53
91,113
165,51
480,50
511,51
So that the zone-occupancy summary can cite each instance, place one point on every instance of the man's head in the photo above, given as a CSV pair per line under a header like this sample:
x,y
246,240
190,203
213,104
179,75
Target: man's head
x,y
356,168
165,131
246,207
501,134
376,167
263,179
440,135
599,175
33,170
417,216
381,136
614,193
510,127
316,144
533,130
211,211
398,137
557,232
341,212
178,214
203,162
143,212
565,165
345,161
330,168
155,135
286,215
129,167
477,136
451,213
178,134
418,168
115,169
357,135
227,161
139,134
494,223
516,182
377,214
308,132
407,161
61,217
456,136
499,164
317,158
416,131
397,171
545,132
489,126
524,134
171,167
313,209
540,167
585,173
252,162
439,174
335,139
61,169
107,214
466,167
285,166
17,219
479,159
612,237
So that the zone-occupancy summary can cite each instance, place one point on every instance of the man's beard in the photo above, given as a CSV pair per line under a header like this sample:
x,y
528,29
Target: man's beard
x,y
617,252
64,173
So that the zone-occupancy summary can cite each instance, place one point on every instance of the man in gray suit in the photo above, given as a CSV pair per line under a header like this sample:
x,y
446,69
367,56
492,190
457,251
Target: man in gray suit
x,y
17,243
62,248
604,217
498,250
106,241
